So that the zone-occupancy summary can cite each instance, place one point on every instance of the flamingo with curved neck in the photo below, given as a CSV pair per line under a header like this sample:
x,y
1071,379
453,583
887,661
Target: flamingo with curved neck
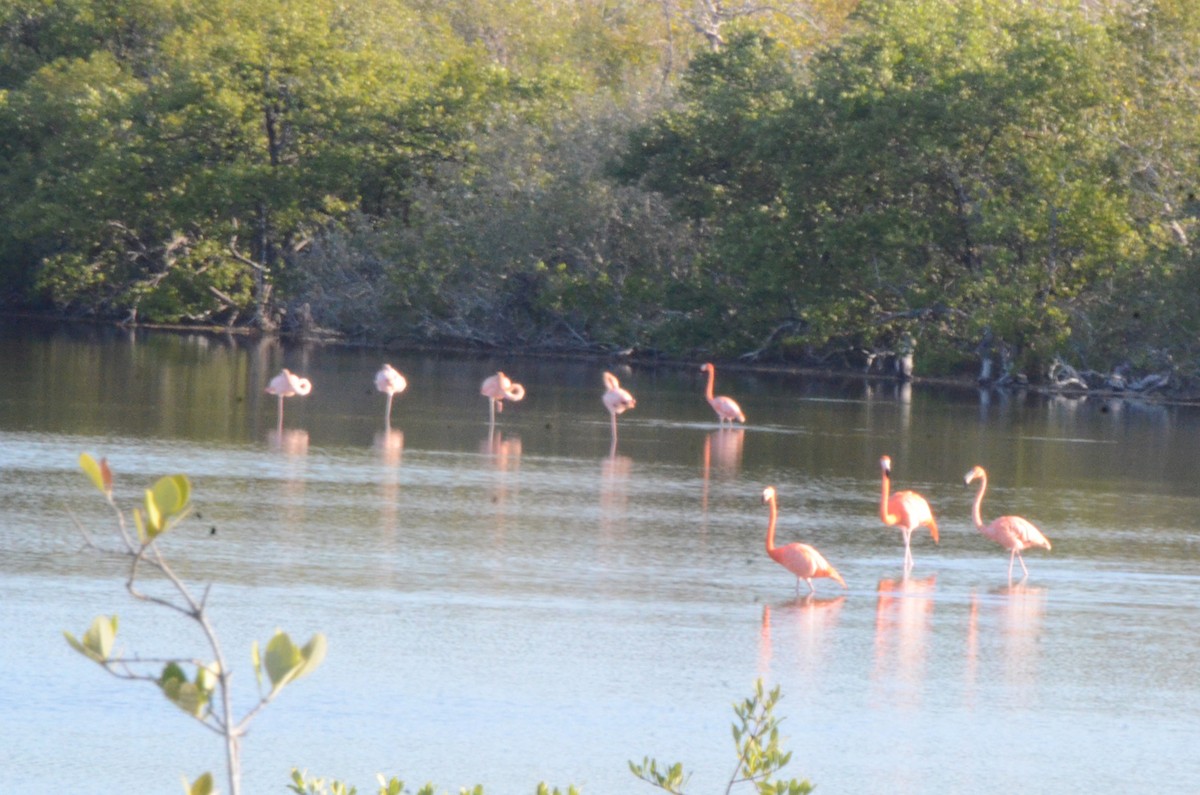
x,y
287,384
906,510
616,400
800,559
391,382
726,407
1014,533
498,388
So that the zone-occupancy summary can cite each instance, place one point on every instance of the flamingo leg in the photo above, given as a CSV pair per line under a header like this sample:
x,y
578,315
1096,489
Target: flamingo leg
x,y
1021,558
908,559
492,406
280,412
387,415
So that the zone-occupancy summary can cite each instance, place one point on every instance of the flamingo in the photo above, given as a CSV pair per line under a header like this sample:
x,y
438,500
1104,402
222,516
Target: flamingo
x,y
287,384
906,510
1014,533
726,407
498,388
391,382
616,400
800,559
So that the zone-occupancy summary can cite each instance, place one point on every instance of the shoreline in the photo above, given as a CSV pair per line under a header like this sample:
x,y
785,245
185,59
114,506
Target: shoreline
x,y
1175,397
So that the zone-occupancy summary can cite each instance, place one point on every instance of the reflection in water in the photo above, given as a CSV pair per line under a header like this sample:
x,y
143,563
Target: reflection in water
x,y
614,490
903,615
1017,611
505,455
725,448
809,621
293,444
390,446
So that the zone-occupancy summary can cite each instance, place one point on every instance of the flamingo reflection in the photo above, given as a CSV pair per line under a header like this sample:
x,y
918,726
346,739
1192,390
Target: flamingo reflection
x,y
1015,613
809,621
390,446
504,452
903,616
615,471
291,443
724,447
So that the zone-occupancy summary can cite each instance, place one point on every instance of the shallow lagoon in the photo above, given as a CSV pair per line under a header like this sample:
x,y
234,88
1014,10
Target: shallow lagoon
x,y
518,604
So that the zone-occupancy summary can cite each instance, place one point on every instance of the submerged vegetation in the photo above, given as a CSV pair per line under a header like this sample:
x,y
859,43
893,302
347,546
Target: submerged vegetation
x,y
991,187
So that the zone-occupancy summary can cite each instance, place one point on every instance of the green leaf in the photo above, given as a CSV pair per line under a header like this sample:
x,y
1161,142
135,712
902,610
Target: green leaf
x,y
154,517
201,786
171,494
285,662
98,640
97,472
191,697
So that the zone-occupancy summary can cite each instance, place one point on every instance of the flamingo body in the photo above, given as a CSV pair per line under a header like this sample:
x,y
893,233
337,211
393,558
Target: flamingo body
x,y
905,510
616,400
287,384
391,382
726,407
498,388
1014,533
800,559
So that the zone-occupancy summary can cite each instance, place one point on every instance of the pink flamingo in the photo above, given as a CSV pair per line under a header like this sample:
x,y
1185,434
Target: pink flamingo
x,y
1014,533
287,384
726,407
616,400
498,388
906,510
800,559
391,382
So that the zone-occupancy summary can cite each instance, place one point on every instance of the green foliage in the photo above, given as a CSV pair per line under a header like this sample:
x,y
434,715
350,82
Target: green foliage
x,y
206,695
201,786
760,757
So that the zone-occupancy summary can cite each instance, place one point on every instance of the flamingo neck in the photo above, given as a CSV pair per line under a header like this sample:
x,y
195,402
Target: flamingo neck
x,y
883,500
771,525
975,511
712,376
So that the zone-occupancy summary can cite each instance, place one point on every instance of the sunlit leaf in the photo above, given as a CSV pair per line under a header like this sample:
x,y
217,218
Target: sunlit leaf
x,y
171,494
154,516
201,786
285,661
98,472
97,641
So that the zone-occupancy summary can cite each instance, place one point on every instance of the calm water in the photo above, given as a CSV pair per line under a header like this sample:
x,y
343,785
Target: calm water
x,y
521,606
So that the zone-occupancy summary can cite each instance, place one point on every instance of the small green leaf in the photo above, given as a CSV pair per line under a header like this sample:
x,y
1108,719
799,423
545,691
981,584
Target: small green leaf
x,y
201,786
154,516
97,472
171,494
97,641
285,662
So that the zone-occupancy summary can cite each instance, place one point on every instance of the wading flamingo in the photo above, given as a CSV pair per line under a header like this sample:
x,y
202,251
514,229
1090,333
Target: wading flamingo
x,y
391,382
616,400
287,384
906,510
498,388
726,407
800,559
1014,533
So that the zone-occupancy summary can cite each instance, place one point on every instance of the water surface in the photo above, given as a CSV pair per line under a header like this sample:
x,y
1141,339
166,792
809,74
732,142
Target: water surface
x,y
523,603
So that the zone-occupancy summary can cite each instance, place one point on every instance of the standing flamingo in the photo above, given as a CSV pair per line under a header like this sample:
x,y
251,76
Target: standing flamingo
x,y
1014,533
391,382
906,510
287,384
498,388
616,400
726,407
800,559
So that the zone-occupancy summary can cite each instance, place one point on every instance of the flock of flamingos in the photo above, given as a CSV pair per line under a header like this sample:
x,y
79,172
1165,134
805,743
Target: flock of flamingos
x,y
903,510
